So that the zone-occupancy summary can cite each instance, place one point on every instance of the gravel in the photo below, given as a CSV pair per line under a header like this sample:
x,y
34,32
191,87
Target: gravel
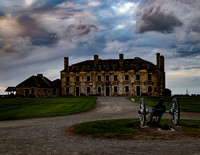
x,y
48,136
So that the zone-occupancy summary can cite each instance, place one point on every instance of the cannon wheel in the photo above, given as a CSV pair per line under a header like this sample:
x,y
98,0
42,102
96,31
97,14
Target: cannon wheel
x,y
143,112
175,111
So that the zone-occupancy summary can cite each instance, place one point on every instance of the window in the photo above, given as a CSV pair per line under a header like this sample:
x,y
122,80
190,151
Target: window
x,y
107,77
67,90
99,89
88,89
99,77
138,77
45,91
67,78
126,77
54,91
115,89
149,89
88,78
115,77
77,78
126,89
32,91
149,77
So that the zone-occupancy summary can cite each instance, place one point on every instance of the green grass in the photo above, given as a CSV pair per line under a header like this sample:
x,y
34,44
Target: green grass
x,y
108,128
187,104
20,108
124,128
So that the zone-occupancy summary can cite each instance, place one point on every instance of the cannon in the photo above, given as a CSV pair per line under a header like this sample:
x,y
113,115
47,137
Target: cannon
x,y
158,110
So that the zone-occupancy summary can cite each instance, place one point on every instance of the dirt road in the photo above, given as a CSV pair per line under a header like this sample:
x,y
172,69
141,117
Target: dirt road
x,y
49,136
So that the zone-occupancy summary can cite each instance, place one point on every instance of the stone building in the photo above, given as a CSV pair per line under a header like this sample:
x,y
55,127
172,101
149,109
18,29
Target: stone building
x,y
114,77
37,86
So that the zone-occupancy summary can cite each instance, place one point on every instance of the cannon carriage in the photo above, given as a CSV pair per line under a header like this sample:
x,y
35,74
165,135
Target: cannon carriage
x,y
158,110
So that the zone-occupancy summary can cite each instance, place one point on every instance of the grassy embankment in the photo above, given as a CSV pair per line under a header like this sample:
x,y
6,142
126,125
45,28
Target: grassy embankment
x,y
187,104
129,128
20,108
126,128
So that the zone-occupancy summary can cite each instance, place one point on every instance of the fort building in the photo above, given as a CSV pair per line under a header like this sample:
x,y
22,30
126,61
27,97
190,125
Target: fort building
x,y
114,77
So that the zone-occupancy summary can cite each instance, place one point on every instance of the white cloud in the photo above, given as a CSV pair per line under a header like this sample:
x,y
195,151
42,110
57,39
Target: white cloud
x,y
115,46
16,44
29,2
181,80
180,17
125,8
94,3
2,88
9,26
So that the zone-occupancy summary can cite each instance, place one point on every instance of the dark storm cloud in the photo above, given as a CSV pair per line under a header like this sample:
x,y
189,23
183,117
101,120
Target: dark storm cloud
x,y
78,30
152,18
34,29
158,21
15,44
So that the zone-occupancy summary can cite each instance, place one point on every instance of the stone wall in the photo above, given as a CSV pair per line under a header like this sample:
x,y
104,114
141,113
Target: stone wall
x,y
35,92
121,83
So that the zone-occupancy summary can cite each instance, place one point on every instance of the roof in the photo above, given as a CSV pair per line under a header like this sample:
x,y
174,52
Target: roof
x,y
112,65
37,81
10,89
57,82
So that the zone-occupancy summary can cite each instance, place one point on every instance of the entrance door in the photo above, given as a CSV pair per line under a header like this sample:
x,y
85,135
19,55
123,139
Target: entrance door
x,y
26,93
107,91
77,91
138,90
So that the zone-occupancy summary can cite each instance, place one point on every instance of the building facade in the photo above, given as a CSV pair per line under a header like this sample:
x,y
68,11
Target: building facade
x,y
113,77
37,86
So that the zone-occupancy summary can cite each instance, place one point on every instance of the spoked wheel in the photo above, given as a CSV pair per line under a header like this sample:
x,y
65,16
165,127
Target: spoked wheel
x,y
175,111
142,112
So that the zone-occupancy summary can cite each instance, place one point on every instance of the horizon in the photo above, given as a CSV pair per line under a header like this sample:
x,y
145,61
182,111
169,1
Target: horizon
x,y
36,35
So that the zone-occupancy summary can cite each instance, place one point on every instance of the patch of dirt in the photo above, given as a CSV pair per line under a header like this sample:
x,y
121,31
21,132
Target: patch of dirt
x,y
154,132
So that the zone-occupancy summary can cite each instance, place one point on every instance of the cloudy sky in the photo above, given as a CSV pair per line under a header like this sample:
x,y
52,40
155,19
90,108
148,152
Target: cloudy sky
x,y
36,35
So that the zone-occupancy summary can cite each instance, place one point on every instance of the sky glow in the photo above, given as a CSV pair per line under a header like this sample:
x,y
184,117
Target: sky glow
x,y
36,35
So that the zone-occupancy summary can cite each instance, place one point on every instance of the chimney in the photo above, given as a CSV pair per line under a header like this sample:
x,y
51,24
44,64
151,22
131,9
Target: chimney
x,y
39,75
96,61
121,60
66,64
158,60
162,63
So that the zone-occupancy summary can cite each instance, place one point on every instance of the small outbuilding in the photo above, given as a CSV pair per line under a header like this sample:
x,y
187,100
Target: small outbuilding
x,y
11,90
37,86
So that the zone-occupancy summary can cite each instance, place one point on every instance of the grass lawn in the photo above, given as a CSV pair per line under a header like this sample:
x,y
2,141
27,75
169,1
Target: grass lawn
x,y
188,104
130,128
108,128
20,108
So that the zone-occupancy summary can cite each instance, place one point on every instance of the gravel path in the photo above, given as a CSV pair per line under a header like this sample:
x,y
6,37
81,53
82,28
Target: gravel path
x,y
49,136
